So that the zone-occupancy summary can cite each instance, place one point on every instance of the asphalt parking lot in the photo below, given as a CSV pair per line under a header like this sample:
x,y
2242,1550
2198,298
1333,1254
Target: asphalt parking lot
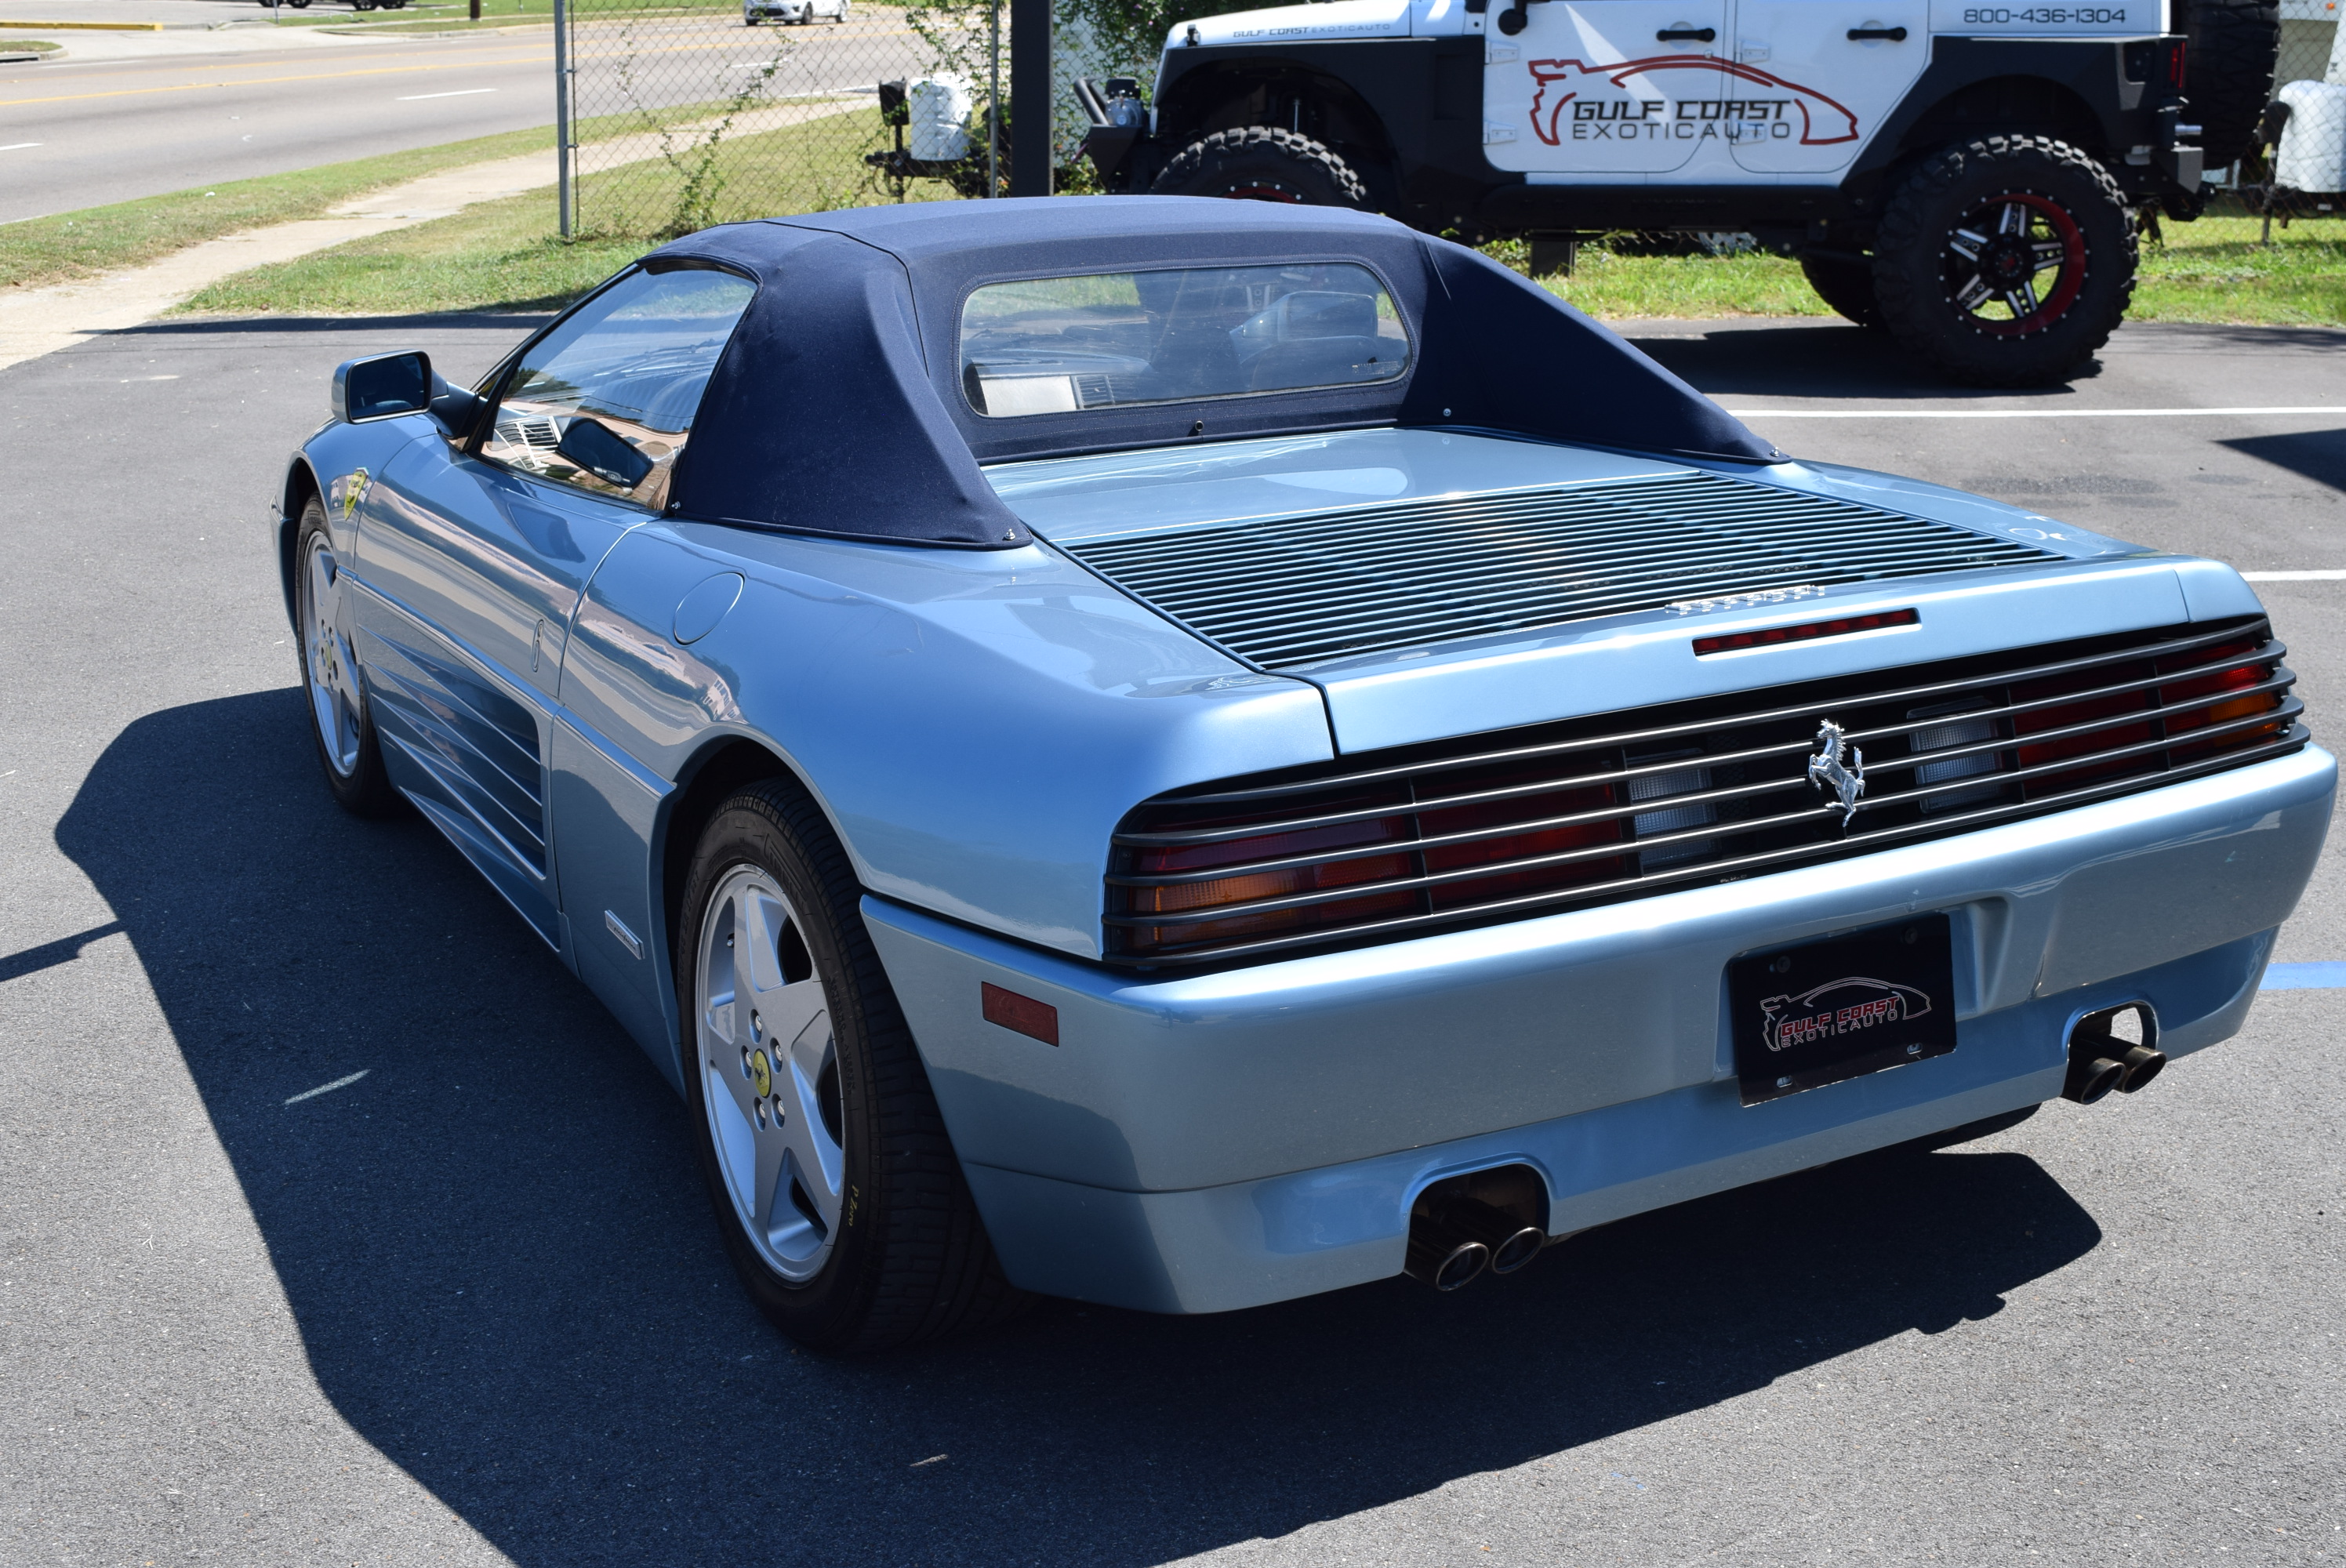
x,y
470,1307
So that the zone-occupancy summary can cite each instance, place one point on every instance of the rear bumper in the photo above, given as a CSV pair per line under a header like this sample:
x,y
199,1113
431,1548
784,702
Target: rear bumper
x,y
1218,1141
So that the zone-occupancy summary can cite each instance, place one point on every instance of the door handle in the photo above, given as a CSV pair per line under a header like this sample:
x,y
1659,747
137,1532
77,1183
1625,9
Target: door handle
x,y
1895,34
1680,35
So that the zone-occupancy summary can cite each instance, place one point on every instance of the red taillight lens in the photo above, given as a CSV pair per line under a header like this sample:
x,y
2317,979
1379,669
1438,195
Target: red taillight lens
x,y
1442,822
2100,738
2175,66
1246,887
2190,706
1410,858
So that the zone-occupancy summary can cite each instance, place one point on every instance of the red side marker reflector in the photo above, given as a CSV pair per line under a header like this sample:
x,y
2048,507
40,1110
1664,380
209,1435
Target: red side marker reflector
x,y
1805,632
1035,1020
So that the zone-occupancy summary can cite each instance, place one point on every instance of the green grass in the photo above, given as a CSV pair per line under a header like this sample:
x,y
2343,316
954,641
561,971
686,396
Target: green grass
x,y
503,255
11,45
2215,270
1612,286
95,239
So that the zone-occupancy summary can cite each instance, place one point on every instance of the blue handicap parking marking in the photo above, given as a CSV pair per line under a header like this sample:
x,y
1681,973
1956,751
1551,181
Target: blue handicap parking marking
x,y
2304,977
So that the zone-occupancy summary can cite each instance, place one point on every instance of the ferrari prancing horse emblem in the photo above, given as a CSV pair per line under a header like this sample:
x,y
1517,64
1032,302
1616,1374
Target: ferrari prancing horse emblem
x,y
1844,782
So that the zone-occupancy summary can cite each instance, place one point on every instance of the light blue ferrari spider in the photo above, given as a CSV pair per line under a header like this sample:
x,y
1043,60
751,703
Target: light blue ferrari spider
x,y
1184,754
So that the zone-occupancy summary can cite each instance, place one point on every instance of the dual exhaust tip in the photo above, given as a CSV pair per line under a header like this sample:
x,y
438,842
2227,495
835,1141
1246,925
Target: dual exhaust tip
x,y
2115,1049
1454,1239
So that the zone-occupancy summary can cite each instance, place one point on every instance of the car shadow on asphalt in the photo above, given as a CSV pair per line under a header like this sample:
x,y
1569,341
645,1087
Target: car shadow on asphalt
x,y
2316,455
507,1279
1817,358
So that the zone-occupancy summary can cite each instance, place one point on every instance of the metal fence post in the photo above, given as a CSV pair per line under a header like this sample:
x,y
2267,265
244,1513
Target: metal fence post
x,y
562,192
1030,97
993,100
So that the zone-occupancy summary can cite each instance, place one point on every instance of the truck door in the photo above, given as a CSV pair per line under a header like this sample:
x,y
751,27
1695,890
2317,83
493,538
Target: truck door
x,y
1593,86
1815,78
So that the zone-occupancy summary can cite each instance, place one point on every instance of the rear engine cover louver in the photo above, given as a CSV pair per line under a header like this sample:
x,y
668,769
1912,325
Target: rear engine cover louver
x,y
1291,592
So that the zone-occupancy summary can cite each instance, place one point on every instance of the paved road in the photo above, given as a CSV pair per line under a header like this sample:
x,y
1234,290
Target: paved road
x,y
79,134
470,1307
114,130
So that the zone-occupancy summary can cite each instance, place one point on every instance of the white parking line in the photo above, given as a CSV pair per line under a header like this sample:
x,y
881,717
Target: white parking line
x,y
2295,576
2021,413
13,146
460,93
330,1088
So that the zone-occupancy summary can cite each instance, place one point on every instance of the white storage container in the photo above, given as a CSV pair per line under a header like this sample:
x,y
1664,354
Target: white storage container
x,y
938,107
2312,154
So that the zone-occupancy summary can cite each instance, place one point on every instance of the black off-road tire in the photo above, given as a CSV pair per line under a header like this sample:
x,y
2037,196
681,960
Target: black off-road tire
x,y
2231,47
1263,163
1920,278
1846,284
362,786
911,1261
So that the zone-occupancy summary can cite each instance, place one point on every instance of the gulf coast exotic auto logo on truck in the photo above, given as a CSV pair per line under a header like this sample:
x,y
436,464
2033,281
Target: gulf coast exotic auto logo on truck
x,y
1616,116
1837,1007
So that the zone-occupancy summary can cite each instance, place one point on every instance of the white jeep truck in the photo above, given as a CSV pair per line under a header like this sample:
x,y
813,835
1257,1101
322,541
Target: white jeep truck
x,y
1970,176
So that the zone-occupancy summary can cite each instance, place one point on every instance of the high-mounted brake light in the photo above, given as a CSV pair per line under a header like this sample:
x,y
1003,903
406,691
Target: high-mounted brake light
x,y
1735,641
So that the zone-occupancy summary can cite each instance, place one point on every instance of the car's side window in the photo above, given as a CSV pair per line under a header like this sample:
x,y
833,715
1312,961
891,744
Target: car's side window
x,y
605,401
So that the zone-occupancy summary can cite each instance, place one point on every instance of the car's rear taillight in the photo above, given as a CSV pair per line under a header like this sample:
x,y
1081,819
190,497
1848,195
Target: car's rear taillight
x,y
2079,720
2200,702
1249,886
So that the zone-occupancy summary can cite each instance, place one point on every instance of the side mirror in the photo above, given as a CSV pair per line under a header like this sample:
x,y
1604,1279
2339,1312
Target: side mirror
x,y
382,386
603,452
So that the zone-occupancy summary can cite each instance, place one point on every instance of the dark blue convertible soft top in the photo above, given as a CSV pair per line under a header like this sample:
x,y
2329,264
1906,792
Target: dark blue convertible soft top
x,y
836,408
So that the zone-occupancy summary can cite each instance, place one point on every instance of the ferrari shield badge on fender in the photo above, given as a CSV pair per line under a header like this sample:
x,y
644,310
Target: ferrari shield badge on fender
x,y
344,494
1844,782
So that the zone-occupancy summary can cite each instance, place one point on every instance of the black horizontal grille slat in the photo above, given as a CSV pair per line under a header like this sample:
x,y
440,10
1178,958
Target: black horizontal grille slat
x,y
1293,591
1592,810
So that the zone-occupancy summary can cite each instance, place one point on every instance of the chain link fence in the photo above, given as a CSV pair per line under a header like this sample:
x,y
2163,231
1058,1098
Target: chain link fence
x,y
2300,167
680,114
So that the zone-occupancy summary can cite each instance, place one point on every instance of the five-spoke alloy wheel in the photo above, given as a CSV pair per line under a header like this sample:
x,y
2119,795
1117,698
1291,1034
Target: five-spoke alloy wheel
x,y
835,1183
769,1074
347,747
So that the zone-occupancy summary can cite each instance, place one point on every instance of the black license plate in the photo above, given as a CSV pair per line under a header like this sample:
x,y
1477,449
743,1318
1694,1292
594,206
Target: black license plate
x,y
1843,1007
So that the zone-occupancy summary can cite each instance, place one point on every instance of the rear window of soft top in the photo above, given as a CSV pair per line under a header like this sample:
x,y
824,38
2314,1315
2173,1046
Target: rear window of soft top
x,y
1107,339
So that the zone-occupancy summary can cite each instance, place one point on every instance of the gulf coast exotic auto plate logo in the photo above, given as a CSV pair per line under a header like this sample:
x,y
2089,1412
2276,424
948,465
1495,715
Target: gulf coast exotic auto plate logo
x,y
1849,1006
1717,111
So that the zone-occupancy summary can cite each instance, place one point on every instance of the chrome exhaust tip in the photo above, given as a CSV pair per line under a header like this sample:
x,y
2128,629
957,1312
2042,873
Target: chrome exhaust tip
x,y
1518,1249
1464,1226
2114,1048
2091,1078
2142,1065
1446,1265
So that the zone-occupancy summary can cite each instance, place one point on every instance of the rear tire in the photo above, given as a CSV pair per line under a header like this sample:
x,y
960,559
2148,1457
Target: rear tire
x,y
2230,49
1263,163
2006,261
836,1187
1846,285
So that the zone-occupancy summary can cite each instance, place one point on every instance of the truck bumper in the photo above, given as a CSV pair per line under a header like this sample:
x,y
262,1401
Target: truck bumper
x,y
1218,1141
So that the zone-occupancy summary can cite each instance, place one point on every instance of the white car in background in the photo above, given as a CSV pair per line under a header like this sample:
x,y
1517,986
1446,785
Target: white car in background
x,y
756,10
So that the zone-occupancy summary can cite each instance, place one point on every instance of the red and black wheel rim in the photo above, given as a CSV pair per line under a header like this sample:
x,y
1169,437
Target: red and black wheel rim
x,y
2014,264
